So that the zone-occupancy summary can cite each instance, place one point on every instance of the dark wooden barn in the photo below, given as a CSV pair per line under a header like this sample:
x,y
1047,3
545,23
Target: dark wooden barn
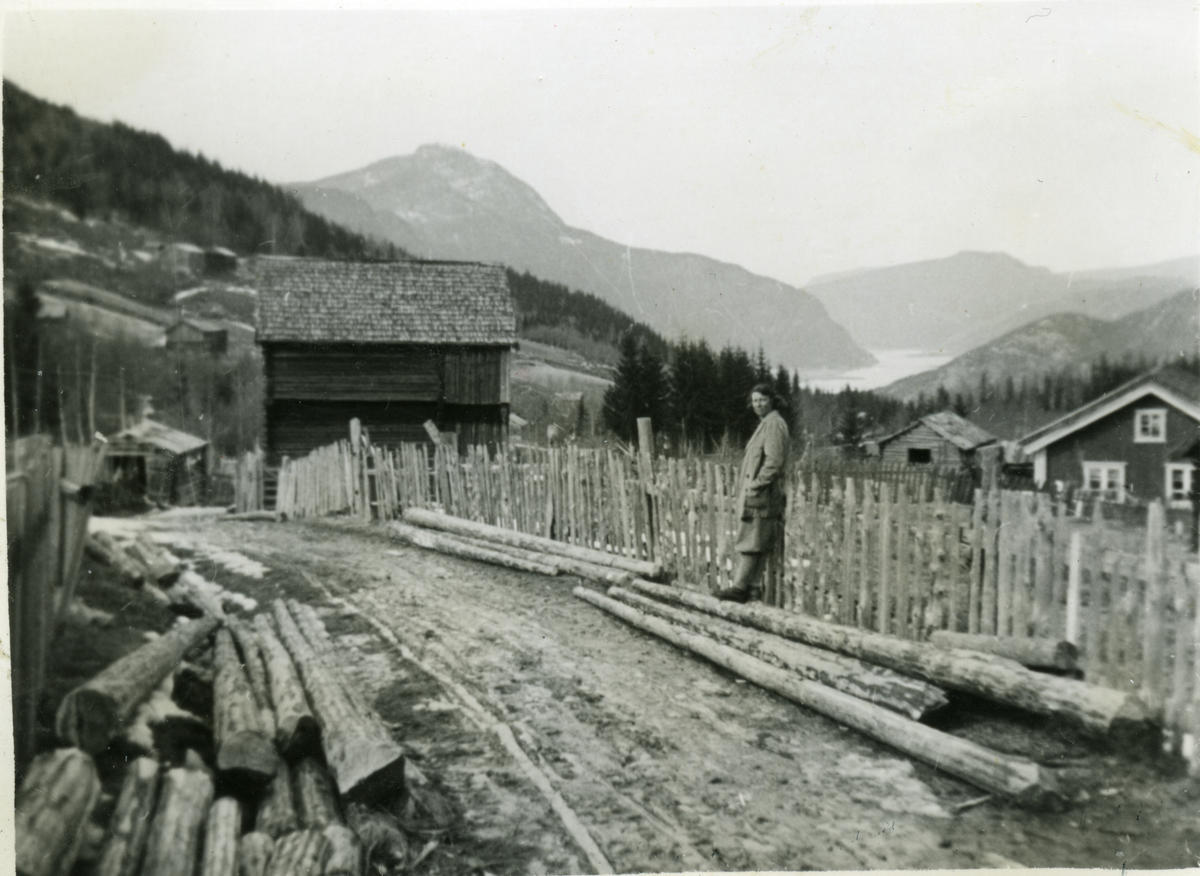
x,y
394,344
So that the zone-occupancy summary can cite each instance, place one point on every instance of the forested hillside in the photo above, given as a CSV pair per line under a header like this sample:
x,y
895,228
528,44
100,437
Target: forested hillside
x,y
106,170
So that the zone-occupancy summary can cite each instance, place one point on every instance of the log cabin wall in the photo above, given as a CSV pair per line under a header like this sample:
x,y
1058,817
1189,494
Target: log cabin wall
x,y
942,453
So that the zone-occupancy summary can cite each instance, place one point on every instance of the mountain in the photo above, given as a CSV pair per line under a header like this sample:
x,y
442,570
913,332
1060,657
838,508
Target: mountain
x,y
442,202
955,304
1062,342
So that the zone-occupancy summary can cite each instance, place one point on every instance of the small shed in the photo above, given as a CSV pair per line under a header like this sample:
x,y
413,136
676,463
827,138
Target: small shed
x,y
191,335
165,464
943,439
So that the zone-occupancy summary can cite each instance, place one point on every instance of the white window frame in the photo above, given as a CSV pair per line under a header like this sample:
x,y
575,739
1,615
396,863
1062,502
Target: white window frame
x,y
1114,492
1189,484
1141,438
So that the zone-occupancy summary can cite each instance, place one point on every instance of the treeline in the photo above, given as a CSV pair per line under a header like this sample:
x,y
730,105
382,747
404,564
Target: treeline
x,y
108,170
543,304
699,399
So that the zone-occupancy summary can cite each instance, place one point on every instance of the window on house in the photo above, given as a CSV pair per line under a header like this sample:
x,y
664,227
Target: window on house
x,y
920,456
1150,426
1106,479
1180,480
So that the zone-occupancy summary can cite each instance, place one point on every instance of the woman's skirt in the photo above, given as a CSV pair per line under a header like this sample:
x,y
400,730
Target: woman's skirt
x,y
758,535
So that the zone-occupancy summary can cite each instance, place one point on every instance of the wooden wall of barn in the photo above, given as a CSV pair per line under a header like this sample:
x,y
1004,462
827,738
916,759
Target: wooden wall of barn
x,y
921,437
477,375
348,372
313,391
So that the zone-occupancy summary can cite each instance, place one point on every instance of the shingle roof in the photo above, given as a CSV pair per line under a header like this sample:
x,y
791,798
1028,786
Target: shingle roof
x,y
962,433
157,435
384,302
1178,385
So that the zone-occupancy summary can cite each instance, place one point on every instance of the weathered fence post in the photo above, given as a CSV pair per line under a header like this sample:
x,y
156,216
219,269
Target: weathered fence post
x,y
646,476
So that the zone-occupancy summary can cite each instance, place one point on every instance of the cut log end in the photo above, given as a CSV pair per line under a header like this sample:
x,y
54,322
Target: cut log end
x,y
378,785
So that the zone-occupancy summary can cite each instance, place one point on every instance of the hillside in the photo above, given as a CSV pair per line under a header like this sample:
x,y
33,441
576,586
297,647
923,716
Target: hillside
x,y
1064,342
955,304
452,205
111,171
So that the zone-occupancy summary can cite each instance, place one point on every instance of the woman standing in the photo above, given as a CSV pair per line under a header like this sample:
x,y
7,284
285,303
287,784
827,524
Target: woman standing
x,y
762,495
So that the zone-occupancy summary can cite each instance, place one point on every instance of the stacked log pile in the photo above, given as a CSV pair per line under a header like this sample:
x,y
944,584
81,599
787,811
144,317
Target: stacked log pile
x,y
303,776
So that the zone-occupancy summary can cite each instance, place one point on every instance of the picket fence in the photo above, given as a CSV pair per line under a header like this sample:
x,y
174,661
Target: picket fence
x,y
887,553
47,500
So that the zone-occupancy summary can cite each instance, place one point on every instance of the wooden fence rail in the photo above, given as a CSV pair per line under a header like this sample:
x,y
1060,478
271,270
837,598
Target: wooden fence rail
x,y
892,554
47,500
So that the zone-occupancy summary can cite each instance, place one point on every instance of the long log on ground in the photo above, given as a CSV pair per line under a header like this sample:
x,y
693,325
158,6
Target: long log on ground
x,y
566,565
456,547
386,844
266,516
174,842
313,630
130,823
296,729
1015,777
105,548
245,754
345,851
459,526
221,833
256,672
194,590
276,814
1034,653
300,854
91,714
159,567
53,805
254,853
316,798
1097,710
902,694
366,762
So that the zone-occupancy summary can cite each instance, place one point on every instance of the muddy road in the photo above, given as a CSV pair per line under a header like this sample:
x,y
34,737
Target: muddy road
x,y
626,751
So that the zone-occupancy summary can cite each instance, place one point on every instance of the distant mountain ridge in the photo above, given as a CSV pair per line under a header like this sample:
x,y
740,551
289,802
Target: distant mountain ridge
x,y
441,202
1168,328
955,304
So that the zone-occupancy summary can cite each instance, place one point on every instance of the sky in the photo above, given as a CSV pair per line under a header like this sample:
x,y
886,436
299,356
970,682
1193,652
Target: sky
x,y
795,141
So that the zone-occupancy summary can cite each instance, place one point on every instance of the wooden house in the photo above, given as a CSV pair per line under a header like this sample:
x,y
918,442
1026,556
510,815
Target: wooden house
x,y
165,464
944,439
219,260
191,335
394,344
182,258
1135,442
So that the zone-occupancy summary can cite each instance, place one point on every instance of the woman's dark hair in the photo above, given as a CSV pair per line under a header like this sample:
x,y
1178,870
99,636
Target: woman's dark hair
x,y
768,390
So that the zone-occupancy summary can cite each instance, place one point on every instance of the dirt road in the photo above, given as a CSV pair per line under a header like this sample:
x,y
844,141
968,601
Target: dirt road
x,y
666,762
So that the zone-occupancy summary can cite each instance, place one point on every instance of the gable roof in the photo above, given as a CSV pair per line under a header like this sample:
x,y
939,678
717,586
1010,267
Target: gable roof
x,y
1172,384
157,435
313,300
962,433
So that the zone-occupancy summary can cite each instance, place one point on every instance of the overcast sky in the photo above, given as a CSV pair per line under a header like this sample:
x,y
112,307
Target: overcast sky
x,y
792,141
